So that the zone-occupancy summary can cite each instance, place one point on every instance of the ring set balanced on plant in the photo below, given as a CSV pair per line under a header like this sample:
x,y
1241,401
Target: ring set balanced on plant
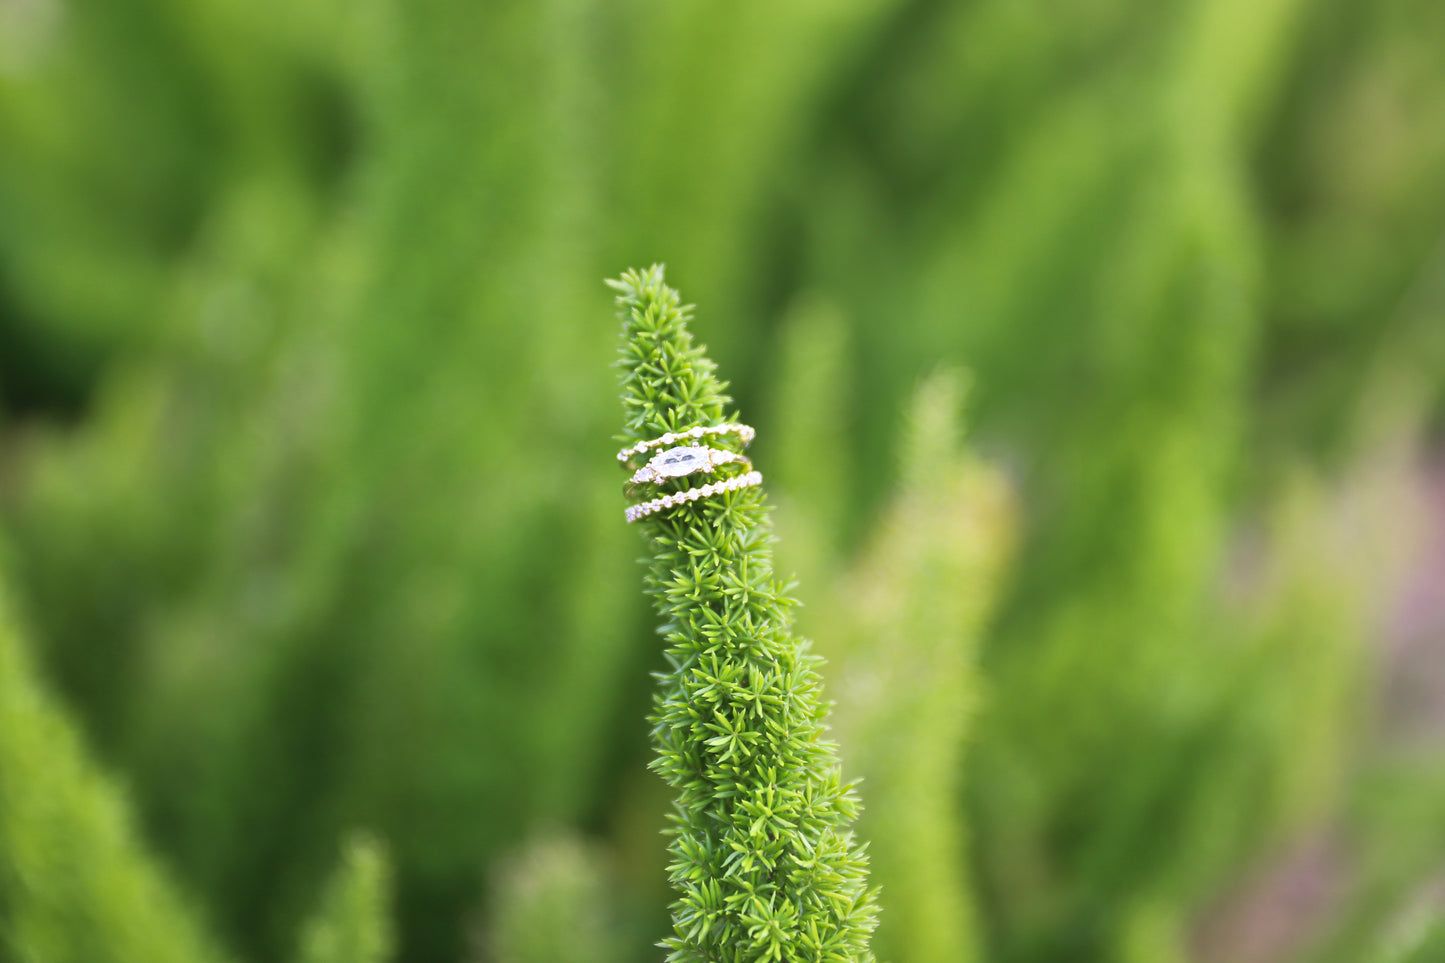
x,y
764,863
684,460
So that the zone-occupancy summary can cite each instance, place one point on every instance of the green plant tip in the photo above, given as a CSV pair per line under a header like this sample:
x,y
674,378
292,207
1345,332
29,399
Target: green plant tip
x,y
764,861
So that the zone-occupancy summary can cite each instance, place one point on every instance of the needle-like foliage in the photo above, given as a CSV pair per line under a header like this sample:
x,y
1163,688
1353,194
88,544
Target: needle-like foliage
x,y
763,857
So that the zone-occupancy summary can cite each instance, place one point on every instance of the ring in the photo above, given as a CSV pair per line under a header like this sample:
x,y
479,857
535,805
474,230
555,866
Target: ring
x,y
693,494
686,460
742,431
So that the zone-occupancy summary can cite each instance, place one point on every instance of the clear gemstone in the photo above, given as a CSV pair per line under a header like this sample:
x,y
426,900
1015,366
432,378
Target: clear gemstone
x,y
676,462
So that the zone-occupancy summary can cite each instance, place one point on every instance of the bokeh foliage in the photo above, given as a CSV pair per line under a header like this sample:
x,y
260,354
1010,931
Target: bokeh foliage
x,y
305,456
75,884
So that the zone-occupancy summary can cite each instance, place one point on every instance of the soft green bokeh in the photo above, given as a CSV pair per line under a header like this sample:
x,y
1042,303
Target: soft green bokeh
x,y
312,520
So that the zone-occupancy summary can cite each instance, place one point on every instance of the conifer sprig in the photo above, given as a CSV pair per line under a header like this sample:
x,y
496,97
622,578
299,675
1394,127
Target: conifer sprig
x,y
763,857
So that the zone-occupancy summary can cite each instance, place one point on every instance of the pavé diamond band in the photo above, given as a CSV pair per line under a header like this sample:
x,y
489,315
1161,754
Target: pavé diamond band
x,y
683,461
743,432
644,509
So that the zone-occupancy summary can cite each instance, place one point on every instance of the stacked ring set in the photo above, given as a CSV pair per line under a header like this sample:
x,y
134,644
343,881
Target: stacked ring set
x,y
681,460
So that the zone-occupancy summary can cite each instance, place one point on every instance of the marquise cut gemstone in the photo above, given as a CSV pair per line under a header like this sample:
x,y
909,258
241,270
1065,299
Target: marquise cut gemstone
x,y
676,462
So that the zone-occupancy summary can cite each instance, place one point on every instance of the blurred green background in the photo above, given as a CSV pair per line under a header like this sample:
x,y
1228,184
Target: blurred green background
x,y
1097,349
